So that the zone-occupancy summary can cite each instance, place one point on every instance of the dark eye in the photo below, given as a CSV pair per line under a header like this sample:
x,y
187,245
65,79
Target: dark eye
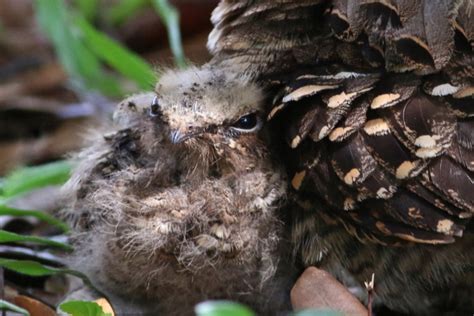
x,y
155,107
247,123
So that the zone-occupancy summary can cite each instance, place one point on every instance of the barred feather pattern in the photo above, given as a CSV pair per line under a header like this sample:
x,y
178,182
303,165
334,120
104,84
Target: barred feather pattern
x,y
382,91
382,152
374,99
423,37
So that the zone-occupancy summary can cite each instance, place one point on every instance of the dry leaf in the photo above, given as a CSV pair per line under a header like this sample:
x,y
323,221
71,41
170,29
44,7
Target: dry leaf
x,y
106,307
34,307
318,289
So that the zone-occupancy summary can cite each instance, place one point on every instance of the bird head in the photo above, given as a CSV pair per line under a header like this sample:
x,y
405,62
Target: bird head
x,y
207,103
209,119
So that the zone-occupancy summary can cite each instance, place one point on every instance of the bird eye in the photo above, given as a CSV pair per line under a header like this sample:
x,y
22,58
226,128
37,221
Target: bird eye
x,y
155,107
247,123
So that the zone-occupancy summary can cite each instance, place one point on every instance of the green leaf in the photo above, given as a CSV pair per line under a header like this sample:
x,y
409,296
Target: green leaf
x,y
28,267
28,178
83,66
124,9
36,269
170,18
82,308
7,237
5,210
222,308
317,312
88,8
4,305
127,63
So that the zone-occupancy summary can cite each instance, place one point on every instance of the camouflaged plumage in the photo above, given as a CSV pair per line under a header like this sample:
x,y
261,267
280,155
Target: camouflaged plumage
x,y
374,100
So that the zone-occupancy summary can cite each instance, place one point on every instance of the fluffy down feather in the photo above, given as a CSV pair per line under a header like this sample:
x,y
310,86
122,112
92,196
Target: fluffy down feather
x,y
167,224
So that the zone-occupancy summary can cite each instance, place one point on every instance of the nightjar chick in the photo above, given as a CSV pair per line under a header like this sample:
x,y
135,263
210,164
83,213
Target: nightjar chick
x,y
178,201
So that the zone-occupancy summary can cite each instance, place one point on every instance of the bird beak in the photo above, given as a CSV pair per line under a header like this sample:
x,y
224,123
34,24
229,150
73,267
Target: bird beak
x,y
177,136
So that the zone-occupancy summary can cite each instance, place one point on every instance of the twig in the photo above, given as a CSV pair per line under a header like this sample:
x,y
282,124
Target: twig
x,y
370,294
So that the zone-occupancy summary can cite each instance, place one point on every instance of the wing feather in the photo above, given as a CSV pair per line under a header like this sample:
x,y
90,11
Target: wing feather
x,y
375,99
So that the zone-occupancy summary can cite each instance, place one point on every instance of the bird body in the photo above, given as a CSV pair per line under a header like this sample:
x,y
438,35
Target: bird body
x,y
372,101
167,220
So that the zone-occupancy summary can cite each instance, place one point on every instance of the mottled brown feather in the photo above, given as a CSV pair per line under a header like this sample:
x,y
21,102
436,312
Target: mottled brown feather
x,y
404,139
